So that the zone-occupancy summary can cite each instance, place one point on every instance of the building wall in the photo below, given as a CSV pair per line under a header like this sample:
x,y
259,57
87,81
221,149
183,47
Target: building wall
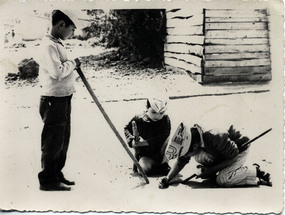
x,y
236,45
219,45
185,40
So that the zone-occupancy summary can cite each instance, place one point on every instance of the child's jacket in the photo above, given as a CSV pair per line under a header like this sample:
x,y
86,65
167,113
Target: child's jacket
x,y
154,132
56,71
219,147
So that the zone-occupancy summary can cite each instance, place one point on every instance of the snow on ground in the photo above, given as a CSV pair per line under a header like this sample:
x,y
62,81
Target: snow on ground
x,y
102,169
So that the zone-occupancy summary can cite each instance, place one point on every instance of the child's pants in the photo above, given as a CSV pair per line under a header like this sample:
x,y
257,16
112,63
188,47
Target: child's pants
x,y
237,174
55,113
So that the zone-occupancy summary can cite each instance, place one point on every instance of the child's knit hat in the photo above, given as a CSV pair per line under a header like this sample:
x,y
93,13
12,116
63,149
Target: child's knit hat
x,y
157,96
158,104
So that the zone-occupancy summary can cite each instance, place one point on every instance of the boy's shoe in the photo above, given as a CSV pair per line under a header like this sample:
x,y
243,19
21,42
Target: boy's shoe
x,y
54,187
63,180
264,178
67,182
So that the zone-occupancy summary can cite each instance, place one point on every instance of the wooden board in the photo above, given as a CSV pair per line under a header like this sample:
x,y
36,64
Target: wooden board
x,y
172,10
236,71
237,41
235,13
236,34
237,63
182,64
199,40
236,78
189,30
183,13
237,56
179,22
184,48
236,48
235,19
237,26
197,77
186,57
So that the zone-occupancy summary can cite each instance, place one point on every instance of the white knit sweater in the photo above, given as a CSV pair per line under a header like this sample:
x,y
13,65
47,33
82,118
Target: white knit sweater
x,y
56,71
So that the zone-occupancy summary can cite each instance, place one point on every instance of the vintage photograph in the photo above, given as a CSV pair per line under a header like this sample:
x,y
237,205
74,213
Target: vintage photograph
x,y
142,106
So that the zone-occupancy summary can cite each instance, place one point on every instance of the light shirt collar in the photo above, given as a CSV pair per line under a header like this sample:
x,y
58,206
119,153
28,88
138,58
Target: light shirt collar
x,y
52,38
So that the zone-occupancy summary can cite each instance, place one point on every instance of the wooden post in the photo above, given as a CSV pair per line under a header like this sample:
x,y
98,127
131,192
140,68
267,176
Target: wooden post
x,y
79,71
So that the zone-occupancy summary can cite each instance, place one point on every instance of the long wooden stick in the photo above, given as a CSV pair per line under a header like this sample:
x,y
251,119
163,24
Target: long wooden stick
x,y
250,141
79,71
189,178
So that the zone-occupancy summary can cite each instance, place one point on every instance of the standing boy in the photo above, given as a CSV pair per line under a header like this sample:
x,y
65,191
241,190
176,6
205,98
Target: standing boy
x,y
56,81
153,128
221,157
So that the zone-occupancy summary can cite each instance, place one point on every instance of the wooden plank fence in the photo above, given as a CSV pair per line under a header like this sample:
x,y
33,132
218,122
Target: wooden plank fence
x,y
219,45
236,46
185,41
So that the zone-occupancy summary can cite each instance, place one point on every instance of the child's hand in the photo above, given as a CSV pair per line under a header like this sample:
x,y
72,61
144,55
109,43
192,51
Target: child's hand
x,y
140,143
164,183
77,61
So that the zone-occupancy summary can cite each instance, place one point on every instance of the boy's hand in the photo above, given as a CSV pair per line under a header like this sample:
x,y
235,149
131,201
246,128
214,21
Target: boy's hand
x,y
140,143
163,184
77,61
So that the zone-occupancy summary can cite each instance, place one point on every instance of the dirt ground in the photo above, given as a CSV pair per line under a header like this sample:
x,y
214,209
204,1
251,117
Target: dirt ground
x,y
102,169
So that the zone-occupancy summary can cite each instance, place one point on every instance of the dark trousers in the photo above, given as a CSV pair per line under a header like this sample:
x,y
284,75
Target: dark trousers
x,y
55,113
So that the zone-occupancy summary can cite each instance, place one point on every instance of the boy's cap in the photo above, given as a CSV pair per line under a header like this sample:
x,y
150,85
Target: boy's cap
x,y
200,131
73,16
158,104
182,141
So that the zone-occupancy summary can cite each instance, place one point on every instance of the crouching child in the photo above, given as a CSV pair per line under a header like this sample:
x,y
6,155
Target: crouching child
x,y
148,135
220,156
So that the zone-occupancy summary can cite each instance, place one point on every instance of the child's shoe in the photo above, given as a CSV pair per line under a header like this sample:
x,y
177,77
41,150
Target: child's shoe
x,y
264,178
